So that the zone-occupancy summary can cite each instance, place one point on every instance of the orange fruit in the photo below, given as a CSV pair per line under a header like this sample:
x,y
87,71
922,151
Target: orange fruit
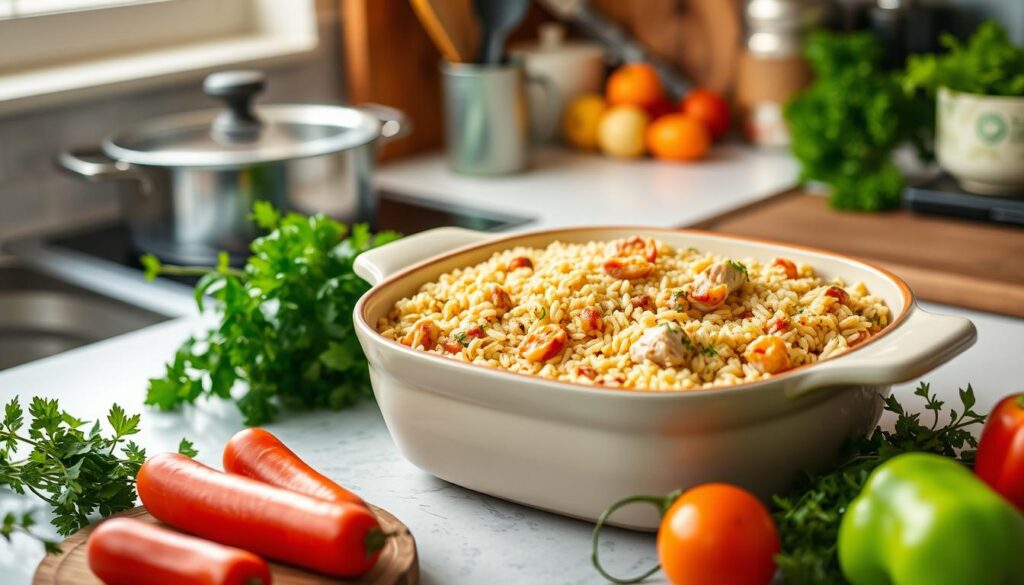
x,y
620,133
708,107
678,137
635,84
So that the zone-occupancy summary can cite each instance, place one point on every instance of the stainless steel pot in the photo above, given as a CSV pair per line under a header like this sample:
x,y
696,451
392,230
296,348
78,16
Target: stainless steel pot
x,y
190,180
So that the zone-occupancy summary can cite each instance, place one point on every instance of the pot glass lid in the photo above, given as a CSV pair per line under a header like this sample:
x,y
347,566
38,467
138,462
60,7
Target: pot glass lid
x,y
240,134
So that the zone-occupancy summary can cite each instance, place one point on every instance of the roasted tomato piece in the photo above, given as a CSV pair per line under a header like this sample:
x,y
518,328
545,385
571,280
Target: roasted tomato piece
x,y
544,343
778,326
586,372
474,331
786,265
451,346
499,299
643,302
838,294
634,246
424,332
520,262
629,268
768,354
707,297
591,322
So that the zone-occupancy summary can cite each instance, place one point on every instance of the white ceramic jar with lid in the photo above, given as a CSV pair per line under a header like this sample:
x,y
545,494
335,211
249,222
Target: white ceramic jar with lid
x,y
567,69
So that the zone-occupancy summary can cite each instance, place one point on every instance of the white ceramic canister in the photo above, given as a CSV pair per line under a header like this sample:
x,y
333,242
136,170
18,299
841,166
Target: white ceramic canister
x,y
980,141
571,67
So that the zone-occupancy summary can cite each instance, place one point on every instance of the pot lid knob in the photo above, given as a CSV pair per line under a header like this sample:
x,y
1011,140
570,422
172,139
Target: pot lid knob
x,y
237,122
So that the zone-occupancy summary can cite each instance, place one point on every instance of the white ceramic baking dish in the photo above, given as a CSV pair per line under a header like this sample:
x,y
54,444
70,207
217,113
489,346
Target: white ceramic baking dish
x,y
573,449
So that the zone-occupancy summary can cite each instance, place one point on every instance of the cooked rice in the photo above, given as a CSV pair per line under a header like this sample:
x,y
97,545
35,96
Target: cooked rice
x,y
570,277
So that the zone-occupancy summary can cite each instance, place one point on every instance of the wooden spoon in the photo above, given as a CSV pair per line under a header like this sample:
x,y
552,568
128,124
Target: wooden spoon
x,y
452,27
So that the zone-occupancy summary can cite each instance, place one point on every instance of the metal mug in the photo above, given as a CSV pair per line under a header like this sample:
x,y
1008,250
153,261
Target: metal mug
x,y
486,116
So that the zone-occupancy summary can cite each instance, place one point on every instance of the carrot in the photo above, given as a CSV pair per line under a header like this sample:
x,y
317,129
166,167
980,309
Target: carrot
x,y
335,538
260,455
124,551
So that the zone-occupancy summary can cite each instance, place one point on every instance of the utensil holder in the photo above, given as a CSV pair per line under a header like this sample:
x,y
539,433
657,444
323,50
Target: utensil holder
x,y
486,120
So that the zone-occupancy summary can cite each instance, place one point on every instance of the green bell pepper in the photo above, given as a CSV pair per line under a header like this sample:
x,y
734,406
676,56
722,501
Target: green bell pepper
x,y
924,519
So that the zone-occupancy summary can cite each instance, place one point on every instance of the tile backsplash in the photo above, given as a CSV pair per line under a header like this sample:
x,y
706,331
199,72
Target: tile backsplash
x,y
35,197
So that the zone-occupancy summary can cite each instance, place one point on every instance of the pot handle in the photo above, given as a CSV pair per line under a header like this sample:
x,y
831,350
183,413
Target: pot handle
x,y
394,123
94,166
378,264
923,342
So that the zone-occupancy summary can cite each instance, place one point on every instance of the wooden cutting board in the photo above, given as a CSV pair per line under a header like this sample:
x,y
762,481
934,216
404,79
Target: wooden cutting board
x,y
398,564
955,262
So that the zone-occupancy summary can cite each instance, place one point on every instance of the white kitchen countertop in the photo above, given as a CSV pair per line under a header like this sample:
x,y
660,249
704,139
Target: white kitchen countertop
x,y
566,188
463,536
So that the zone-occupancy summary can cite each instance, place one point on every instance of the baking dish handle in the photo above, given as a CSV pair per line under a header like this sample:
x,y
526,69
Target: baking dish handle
x,y
922,343
375,265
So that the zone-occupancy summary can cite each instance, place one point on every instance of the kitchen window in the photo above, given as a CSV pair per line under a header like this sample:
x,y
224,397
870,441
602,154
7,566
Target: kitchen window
x,y
97,46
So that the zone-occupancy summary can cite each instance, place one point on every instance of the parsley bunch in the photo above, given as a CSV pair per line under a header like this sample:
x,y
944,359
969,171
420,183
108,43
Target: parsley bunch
x,y
808,517
286,330
847,123
987,64
70,464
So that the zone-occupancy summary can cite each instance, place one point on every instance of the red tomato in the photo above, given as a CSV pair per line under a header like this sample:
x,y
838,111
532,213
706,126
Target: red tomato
x,y
708,107
1000,461
660,108
718,534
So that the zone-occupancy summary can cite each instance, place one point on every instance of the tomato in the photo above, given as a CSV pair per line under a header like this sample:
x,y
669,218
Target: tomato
x,y
499,299
718,534
838,294
708,107
520,262
422,334
633,246
660,108
629,268
678,137
544,343
713,534
787,266
768,354
591,322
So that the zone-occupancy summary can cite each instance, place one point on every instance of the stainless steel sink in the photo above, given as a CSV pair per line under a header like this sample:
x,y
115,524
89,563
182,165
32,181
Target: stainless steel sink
x,y
42,316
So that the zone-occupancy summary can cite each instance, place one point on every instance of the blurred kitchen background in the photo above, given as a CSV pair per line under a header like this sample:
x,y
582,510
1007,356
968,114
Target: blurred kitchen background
x,y
41,112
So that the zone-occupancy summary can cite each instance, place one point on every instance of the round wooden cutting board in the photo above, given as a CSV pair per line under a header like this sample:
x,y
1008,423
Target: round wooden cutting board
x,y
398,564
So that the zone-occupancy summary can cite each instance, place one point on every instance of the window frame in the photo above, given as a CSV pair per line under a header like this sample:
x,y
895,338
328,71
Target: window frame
x,y
130,47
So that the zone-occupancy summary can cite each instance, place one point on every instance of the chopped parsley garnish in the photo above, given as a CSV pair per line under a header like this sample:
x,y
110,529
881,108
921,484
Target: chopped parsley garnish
x,y
693,250
709,350
460,336
741,267
543,312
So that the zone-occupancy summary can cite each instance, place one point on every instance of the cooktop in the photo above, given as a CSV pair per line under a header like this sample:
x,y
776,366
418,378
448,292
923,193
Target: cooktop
x,y
406,215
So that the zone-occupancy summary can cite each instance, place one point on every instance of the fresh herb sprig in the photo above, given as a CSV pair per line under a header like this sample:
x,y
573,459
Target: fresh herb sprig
x,y
286,330
847,123
742,268
988,63
808,517
69,464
